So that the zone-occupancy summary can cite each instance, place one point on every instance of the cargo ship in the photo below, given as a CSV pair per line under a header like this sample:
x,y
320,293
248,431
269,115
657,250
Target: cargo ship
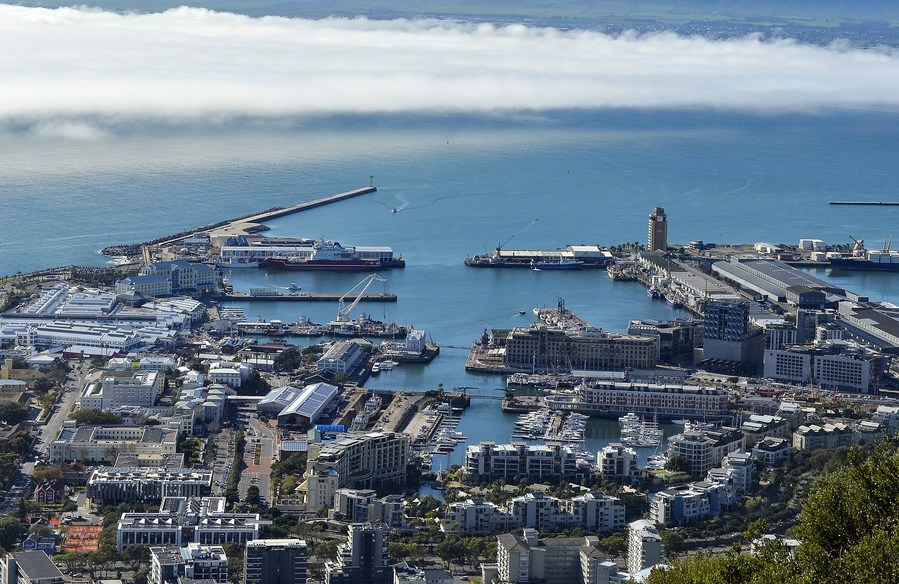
x,y
328,256
883,260
878,261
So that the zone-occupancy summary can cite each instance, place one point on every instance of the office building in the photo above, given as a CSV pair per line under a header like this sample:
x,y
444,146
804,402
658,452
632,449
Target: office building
x,y
109,485
730,343
102,444
182,520
267,561
832,365
657,233
116,389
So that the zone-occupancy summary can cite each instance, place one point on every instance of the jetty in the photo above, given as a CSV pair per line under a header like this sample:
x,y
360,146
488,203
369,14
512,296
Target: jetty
x,y
867,203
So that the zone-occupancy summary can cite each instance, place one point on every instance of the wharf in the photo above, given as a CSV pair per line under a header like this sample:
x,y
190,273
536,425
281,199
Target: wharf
x,y
303,297
561,317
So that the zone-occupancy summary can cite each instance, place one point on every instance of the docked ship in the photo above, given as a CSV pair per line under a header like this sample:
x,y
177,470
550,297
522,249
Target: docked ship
x,y
561,264
571,257
884,260
326,255
365,326
307,254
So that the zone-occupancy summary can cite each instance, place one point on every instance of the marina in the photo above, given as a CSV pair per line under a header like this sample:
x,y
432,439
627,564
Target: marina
x,y
640,433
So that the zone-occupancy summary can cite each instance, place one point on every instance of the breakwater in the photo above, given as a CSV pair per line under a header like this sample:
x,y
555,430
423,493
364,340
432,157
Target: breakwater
x,y
252,219
867,203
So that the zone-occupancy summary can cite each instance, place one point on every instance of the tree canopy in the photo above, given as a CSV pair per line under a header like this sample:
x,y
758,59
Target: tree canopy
x,y
848,529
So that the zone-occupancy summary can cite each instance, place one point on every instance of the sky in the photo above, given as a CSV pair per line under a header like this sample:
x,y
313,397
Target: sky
x,y
72,72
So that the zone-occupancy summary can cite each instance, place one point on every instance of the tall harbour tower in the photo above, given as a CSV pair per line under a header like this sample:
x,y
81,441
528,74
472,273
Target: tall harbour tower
x,y
658,230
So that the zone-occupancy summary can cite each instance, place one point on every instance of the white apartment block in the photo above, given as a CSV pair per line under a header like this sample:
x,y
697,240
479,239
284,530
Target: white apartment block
x,y
741,467
525,557
692,502
705,448
888,417
813,436
489,461
591,512
644,546
96,444
476,515
759,427
538,511
114,390
617,462
596,512
772,450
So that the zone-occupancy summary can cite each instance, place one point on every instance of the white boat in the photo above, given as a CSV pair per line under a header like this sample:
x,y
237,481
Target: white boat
x,y
629,418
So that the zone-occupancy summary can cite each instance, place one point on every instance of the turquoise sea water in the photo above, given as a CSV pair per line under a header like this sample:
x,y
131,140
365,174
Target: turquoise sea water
x,y
461,186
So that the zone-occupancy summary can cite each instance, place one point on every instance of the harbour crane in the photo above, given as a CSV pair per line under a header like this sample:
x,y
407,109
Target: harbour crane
x,y
499,246
344,312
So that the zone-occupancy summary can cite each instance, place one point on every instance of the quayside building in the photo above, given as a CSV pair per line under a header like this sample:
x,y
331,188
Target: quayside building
x,y
613,399
544,348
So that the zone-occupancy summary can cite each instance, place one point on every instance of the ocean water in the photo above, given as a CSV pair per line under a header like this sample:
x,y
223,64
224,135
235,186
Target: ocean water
x,y
462,185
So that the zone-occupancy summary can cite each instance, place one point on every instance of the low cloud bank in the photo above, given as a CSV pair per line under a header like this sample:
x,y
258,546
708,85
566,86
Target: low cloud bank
x,y
63,66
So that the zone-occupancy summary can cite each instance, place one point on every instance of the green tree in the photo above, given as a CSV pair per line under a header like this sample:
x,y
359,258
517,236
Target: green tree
x,y
677,464
136,555
253,497
95,417
13,412
289,359
615,544
12,531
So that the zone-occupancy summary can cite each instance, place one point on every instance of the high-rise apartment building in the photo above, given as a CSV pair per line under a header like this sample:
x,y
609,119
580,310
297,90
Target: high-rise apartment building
x,y
267,561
